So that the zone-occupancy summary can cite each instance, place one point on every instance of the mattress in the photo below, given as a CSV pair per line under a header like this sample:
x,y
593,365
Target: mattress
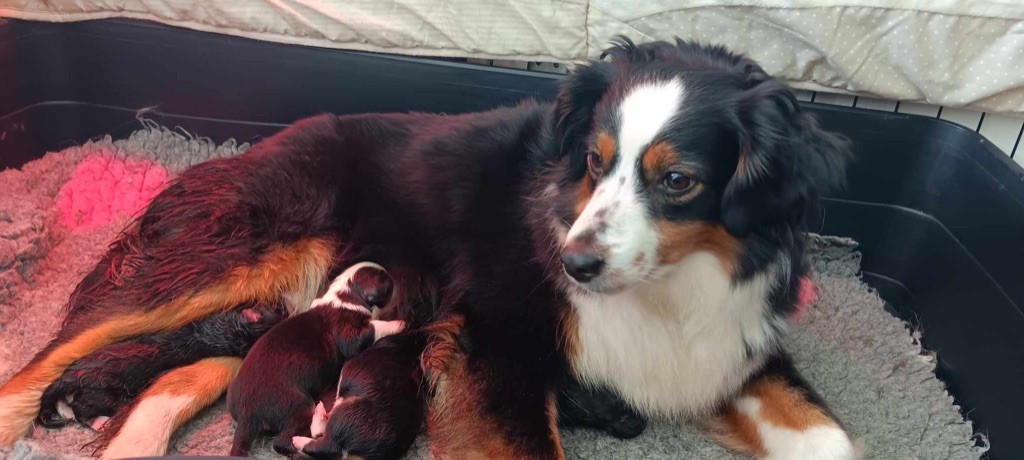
x,y
966,53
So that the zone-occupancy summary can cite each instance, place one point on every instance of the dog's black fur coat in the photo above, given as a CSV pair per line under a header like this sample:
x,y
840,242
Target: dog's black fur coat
x,y
461,199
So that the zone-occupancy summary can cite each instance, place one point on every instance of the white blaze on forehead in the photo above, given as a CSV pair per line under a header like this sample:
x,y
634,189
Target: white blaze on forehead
x,y
615,210
643,114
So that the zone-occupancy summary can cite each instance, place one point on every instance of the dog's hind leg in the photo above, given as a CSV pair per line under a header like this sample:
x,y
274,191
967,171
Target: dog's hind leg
x,y
229,231
287,268
145,428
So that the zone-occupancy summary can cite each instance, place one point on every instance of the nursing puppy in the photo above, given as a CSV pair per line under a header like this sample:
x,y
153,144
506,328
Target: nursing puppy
x,y
296,361
379,408
95,387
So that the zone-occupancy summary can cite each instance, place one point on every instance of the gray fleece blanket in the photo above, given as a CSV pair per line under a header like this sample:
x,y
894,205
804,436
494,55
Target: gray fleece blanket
x,y
57,215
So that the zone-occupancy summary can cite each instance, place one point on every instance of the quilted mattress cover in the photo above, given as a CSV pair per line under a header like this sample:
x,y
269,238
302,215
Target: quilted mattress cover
x,y
967,53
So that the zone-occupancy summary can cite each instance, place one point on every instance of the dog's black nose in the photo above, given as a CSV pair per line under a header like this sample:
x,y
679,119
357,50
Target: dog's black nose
x,y
581,264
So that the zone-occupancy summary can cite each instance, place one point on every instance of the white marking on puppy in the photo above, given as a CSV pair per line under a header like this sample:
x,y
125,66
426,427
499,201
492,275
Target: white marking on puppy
x,y
339,285
616,213
383,329
65,410
318,425
147,430
677,345
820,442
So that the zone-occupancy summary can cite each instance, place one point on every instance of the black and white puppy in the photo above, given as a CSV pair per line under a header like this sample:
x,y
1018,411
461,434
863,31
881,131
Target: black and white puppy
x,y
379,408
299,359
95,387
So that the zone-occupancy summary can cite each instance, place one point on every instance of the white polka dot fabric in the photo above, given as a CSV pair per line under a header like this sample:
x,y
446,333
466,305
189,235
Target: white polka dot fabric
x,y
944,52
527,30
950,53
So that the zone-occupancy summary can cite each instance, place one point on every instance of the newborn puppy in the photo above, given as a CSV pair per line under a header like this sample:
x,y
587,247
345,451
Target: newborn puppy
x,y
379,408
95,387
296,361
597,407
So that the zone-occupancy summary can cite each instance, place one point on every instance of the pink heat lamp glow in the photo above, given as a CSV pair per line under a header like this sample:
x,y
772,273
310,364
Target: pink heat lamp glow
x,y
104,187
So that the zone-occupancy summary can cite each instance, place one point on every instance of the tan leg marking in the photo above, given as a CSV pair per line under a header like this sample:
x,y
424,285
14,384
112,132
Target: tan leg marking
x,y
297,267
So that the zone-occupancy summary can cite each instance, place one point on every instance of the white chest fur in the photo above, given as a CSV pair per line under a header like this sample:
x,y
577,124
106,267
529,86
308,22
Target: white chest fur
x,y
676,346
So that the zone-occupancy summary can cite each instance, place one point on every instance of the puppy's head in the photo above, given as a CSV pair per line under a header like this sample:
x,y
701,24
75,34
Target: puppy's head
x,y
365,284
670,149
373,285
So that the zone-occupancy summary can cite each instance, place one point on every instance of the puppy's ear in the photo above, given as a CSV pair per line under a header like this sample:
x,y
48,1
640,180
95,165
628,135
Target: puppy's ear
x,y
578,95
786,161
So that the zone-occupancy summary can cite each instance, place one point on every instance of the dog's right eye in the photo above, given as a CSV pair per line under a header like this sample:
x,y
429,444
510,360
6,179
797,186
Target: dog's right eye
x,y
678,183
595,164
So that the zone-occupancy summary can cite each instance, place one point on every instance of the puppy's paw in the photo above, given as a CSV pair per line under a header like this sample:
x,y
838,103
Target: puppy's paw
x,y
300,441
383,329
98,423
324,302
251,315
318,425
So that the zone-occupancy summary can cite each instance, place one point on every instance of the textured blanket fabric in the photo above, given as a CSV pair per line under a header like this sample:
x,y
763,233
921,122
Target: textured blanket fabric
x,y
58,213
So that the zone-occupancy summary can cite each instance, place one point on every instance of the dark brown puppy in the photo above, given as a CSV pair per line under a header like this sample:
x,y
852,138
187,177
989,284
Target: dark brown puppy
x,y
379,409
96,386
296,361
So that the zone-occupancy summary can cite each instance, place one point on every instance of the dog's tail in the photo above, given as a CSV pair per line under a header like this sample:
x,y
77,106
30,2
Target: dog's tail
x,y
145,428
296,268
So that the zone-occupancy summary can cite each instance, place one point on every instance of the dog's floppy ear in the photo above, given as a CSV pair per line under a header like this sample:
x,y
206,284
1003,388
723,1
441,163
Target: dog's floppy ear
x,y
786,161
578,95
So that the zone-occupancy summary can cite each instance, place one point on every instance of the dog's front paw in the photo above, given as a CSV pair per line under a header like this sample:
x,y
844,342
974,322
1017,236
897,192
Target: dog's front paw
x,y
825,442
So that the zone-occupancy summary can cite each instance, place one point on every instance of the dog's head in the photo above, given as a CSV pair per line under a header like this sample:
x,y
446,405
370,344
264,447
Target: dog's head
x,y
671,149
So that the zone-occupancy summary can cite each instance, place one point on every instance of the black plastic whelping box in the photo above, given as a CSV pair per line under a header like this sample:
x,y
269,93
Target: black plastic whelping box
x,y
937,209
